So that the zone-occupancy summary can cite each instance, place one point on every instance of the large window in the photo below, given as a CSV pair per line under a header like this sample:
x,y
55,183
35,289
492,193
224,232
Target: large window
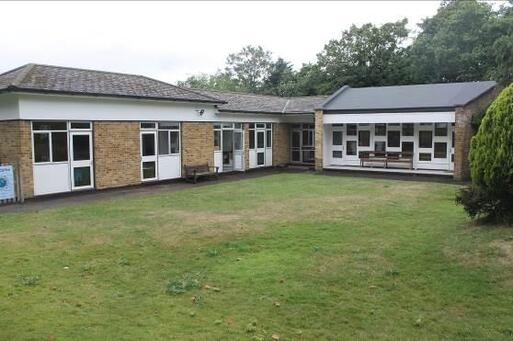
x,y
440,151
394,138
337,138
381,129
50,141
351,129
350,147
425,139
169,138
407,129
364,138
441,129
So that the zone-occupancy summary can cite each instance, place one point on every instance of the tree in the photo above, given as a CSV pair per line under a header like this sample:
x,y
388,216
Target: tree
x,y
491,163
365,56
281,79
249,67
465,41
217,81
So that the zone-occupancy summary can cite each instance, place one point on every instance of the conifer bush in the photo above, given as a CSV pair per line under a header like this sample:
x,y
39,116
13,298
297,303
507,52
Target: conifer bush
x,y
491,163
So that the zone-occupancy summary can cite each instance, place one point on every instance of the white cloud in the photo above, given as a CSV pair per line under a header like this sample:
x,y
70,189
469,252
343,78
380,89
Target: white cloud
x,y
171,40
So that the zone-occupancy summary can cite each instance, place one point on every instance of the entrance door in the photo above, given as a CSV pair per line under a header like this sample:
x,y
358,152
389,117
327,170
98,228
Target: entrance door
x,y
238,153
81,160
260,147
351,144
148,155
227,150
295,146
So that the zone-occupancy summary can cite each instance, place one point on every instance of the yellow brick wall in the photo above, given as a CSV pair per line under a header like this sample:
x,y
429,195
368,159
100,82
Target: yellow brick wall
x,y
197,143
117,159
319,129
281,144
16,148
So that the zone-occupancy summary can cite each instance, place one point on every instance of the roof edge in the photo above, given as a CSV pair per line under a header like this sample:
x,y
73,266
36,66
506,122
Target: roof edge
x,y
332,97
480,95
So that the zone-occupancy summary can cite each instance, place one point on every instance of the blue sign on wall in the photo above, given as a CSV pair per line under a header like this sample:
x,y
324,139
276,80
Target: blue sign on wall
x,y
7,183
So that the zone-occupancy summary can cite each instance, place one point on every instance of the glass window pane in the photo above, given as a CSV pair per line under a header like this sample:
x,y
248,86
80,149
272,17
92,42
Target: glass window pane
x,y
308,156
296,156
163,142
337,154
237,125
260,125
268,125
148,125
149,170
425,157
260,139
407,148
237,140
441,129
307,138
337,138
260,158
59,147
351,147
380,146
296,142
42,147
217,126
252,126
80,147
425,139
440,151
407,129
82,176
169,125
217,139
228,125
80,125
364,138
148,144
251,139
175,142
351,130
394,138
381,129
268,139
49,125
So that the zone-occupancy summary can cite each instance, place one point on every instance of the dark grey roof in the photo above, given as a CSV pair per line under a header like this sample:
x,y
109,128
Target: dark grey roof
x,y
253,103
406,97
64,80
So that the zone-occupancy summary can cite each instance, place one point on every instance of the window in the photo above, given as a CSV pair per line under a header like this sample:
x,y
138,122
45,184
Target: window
x,y
80,147
148,144
337,138
308,138
425,157
260,158
440,151
268,139
169,125
42,147
407,148
174,141
251,139
217,139
149,170
163,142
379,146
394,138
148,125
82,176
80,125
364,138
441,129
49,126
425,139
407,129
260,125
218,126
380,129
50,141
260,139
337,154
394,124
351,130
296,156
351,147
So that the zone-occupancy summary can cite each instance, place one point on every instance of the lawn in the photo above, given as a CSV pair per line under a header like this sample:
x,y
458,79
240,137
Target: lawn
x,y
299,256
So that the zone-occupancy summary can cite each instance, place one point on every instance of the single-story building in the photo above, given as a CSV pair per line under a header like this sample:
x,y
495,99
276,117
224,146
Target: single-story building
x,y
71,129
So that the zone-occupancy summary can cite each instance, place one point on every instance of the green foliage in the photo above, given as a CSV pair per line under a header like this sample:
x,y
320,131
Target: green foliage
x,y
29,280
491,162
180,286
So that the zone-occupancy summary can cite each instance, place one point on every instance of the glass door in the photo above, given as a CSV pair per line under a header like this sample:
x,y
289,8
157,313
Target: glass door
x,y
148,155
81,160
351,143
238,153
260,147
337,145
295,147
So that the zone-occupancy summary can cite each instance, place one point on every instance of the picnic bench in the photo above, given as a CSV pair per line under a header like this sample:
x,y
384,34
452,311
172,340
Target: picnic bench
x,y
385,159
194,172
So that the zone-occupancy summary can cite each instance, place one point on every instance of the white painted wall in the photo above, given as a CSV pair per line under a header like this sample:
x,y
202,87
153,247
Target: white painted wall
x,y
9,109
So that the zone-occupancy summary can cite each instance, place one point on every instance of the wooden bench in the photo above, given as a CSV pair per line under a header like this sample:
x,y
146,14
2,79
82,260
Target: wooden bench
x,y
400,158
194,172
373,158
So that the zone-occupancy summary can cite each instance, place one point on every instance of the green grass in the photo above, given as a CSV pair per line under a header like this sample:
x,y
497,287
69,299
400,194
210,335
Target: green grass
x,y
303,256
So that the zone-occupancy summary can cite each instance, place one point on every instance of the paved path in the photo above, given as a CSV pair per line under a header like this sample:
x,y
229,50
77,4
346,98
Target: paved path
x,y
84,197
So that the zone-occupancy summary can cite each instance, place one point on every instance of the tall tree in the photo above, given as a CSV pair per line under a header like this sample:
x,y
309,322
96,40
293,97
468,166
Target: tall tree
x,y
365,56
281,79
249,67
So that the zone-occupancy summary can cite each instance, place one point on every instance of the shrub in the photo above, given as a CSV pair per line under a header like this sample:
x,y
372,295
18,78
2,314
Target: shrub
x,y
491,163
182,285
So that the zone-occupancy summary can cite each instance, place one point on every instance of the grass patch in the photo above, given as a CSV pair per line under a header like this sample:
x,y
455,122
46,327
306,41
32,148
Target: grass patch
x,y
300,256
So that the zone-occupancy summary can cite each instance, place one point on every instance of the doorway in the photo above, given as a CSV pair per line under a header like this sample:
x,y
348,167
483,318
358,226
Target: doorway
x,y
228,147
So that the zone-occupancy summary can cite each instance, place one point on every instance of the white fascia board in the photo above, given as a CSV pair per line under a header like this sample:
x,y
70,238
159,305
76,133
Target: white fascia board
x,y
9,107
408,117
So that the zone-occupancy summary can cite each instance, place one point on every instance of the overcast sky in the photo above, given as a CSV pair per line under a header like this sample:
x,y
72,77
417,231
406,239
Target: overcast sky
x,y
172,40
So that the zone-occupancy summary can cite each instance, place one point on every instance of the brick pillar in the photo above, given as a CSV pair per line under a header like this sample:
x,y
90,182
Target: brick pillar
x,y
245,126
319,130
281,144
16,149
462,136
197,143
